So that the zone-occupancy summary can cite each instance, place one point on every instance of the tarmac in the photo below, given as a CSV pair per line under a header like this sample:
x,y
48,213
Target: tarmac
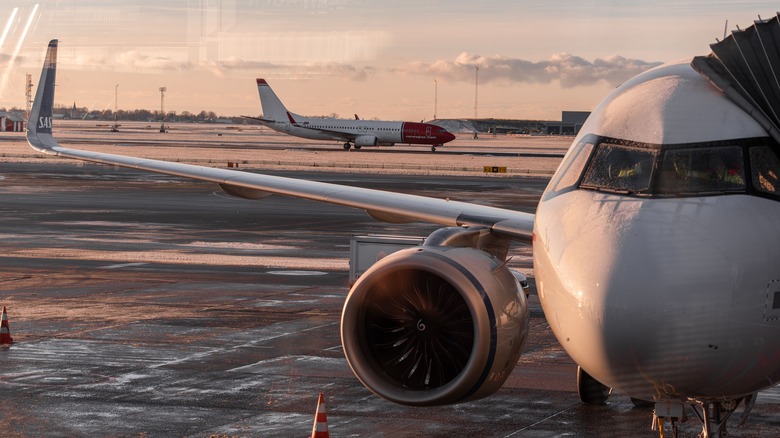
x,y
147,305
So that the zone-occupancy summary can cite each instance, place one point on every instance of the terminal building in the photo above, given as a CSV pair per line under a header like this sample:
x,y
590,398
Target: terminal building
x,y
571,122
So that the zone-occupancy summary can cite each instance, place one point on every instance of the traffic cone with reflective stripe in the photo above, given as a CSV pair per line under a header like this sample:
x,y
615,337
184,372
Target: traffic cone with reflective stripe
x,y
320,429
5,331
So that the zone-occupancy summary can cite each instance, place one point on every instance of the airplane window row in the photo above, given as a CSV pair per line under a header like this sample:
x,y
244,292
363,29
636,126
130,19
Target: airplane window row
x,y
337,127
741,166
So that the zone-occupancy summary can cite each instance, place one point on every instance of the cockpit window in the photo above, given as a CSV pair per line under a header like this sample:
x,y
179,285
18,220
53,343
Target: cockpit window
x,y
619,168
571,170
701,171
725,167
765,170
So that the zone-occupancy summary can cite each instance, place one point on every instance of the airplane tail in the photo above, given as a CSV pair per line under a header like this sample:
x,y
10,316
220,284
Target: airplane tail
x,y
39,132
273,108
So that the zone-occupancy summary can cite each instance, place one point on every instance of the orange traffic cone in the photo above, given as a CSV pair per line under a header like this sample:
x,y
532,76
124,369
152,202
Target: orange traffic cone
x,y
5,331
320,429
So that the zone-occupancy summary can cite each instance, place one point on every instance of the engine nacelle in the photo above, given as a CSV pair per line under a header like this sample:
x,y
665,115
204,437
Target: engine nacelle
x,y
365,140
435,325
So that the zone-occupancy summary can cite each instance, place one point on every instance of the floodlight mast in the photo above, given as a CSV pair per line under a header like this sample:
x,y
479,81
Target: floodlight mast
x,y
435,97
162,108
115,128
476,90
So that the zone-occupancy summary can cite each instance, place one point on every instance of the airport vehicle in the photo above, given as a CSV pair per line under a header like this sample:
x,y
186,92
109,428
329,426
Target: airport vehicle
x,y
655,248
352,132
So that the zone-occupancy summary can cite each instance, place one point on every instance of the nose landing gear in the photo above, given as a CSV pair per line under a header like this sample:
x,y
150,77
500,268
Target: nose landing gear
x,y
712,414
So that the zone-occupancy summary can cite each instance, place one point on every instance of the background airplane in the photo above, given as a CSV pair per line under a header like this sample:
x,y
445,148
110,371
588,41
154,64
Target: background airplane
x,y
352,132
655,265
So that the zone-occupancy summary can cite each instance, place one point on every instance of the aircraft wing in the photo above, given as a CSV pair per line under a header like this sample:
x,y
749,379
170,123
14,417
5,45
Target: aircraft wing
x,y
382,205
259,119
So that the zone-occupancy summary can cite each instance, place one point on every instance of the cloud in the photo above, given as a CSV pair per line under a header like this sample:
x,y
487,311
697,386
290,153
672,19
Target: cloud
x,y
570,70
355,73
176,60
359,74
139,60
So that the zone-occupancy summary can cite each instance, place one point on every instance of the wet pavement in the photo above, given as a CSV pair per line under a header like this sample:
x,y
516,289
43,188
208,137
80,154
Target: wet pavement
x,y
145,305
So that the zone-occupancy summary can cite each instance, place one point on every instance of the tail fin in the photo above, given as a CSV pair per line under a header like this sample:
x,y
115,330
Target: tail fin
x,y
273,108
39,124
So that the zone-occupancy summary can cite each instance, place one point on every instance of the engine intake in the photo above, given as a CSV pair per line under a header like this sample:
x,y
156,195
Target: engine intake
x,y
435,325
365,140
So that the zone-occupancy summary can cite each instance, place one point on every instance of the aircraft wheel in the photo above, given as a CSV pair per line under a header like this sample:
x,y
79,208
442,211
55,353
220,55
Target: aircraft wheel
x,y
347,146
358,147
591,391
433,148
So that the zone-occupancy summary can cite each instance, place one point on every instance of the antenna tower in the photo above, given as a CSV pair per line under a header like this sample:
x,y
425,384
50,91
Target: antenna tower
x,y
28,93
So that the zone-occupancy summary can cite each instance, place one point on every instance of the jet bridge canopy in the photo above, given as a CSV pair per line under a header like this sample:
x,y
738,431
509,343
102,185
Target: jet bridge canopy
x,y
745,66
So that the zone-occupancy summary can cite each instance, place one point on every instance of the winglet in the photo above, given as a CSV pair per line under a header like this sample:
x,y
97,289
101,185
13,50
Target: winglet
x,y
39,133
292,121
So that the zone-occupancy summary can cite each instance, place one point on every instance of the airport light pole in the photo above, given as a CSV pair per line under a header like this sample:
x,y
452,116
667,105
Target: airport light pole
x,y
115,128
476,91
435,97
162,108
476,95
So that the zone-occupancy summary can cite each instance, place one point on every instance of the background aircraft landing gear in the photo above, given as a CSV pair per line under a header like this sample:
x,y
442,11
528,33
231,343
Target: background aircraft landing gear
x,y
347,146
591,391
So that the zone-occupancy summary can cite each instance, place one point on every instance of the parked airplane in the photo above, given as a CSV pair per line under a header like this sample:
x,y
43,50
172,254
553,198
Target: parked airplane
x,y
655,252
358,132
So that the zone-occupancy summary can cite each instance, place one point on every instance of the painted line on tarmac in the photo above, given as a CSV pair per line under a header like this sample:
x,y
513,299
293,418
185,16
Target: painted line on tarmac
x,y
123,265
253,343
297,273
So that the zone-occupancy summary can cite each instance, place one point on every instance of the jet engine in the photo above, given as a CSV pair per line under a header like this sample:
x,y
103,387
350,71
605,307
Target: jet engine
x,y
365,140
435,325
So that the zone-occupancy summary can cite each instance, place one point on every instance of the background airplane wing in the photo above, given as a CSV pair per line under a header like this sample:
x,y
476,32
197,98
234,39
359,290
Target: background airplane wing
x,y
259,119
382,205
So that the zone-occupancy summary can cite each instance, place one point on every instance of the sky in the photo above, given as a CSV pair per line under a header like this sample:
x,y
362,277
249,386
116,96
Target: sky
x,y
389,60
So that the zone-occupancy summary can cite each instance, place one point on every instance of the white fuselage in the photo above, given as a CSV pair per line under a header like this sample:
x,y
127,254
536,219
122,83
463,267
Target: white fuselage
x,y
664,297
315,128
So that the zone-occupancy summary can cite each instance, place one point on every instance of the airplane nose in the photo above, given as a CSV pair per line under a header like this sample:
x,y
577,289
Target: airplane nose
x,y
446,136
647,301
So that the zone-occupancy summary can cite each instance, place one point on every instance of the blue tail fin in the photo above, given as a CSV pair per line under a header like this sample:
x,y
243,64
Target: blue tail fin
x,y
41,113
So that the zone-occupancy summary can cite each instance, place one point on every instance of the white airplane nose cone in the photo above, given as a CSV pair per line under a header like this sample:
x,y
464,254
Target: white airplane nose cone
x,y
657,297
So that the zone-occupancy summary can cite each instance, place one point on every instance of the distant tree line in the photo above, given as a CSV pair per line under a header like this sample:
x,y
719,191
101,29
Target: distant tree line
x,y
144,115
140,115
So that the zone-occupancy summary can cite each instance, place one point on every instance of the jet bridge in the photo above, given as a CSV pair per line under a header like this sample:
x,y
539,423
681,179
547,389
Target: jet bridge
x,y
746,67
